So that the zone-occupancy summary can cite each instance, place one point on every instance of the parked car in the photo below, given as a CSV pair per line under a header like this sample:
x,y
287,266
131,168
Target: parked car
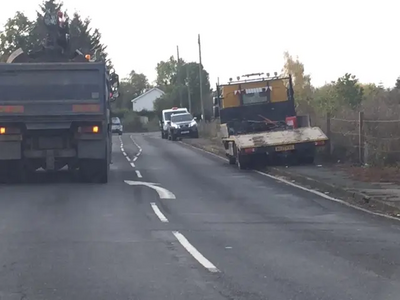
x,y
182,125
116,126
166,119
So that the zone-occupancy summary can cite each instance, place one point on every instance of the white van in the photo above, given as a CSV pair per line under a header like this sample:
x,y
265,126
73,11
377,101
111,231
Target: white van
x,y
166,117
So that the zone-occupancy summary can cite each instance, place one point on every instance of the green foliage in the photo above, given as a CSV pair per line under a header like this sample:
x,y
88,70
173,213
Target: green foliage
x,y
345,92
301,82
20,32
131,87
349,91
16,34
175,84
397,85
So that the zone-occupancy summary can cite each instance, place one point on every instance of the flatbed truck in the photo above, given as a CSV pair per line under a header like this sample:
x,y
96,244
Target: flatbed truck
x,y
259,124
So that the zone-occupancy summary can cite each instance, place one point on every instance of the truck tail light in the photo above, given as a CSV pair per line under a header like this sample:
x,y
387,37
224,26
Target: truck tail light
x,y
9,130
249,150
89,129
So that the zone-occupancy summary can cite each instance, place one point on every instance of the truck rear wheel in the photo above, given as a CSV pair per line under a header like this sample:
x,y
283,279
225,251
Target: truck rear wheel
x,y
173,137
242,162
232,160
308,160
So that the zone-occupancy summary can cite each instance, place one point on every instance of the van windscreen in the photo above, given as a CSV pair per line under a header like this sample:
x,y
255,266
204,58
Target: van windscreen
x,y
167,114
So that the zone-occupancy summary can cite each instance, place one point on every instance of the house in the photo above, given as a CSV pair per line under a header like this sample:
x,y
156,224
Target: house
x,y
146,100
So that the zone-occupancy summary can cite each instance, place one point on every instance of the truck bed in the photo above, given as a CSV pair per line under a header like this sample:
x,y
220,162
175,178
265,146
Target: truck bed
x,y
279,138
51,89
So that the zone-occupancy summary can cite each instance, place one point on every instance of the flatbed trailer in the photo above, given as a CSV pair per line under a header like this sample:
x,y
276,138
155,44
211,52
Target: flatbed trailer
x,y
246,150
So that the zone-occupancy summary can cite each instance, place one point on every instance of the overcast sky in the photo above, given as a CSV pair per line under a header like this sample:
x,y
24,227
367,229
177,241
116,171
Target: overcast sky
x,y
239,37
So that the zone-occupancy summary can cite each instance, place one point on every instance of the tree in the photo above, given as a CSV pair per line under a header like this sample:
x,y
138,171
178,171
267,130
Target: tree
x,y
16,34
39,29
80,37
174,87
325,98
301,82
167,72
132,87
349,91
397,86
20,32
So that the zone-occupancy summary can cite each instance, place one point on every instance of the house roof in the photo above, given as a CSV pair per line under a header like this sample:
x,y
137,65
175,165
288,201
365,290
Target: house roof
x,y
148,92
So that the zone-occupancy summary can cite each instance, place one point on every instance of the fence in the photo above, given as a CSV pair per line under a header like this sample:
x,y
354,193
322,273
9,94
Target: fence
x,y
363,140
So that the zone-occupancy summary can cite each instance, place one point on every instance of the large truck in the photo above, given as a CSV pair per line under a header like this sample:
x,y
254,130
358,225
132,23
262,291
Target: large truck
x,y
55,110
259,124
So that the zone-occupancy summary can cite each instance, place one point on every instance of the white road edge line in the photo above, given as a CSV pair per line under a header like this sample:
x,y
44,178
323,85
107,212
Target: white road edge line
x,y
195,253
123,150
304,188
139,174
158,213
137,145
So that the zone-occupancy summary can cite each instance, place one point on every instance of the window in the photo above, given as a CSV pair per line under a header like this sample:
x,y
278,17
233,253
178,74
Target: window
x,y
167,115
115,121
32,85
182,118
255,98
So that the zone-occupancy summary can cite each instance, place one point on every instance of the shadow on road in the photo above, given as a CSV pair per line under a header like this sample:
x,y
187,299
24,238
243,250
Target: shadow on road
x,y
42,177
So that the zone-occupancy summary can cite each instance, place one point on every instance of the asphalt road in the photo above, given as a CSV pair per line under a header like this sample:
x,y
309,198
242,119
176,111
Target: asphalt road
x,y
204,230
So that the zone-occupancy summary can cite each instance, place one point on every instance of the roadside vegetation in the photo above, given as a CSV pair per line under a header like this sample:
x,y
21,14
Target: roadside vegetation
x,y
340,102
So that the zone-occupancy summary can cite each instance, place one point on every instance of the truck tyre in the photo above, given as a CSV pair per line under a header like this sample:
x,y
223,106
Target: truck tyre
x,y
103,171
242,162
232,160
308,160
173,137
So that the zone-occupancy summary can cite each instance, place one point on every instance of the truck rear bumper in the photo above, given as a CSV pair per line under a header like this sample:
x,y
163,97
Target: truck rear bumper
x,y
87,149
283,150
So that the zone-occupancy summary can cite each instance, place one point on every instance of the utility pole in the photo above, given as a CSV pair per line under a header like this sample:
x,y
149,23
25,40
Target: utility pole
x,y
188,88
178,76
201,80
